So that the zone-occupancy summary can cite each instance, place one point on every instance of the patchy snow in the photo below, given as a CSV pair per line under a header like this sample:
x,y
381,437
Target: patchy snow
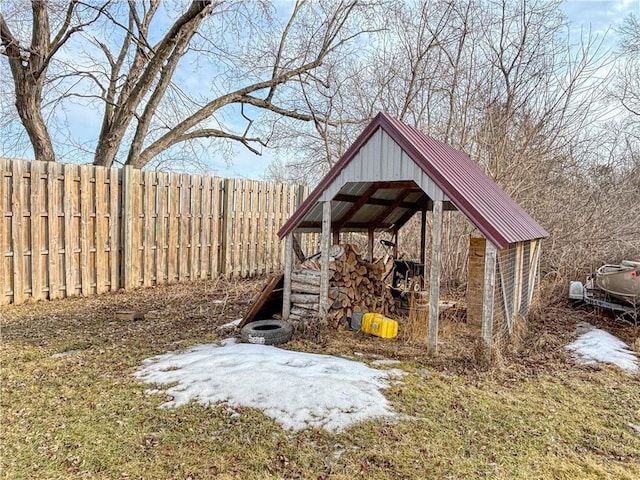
x,y
231,324
595,345
298,390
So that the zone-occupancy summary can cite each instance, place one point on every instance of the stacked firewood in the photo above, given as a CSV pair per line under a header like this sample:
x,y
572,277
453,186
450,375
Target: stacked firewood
x,y
355,285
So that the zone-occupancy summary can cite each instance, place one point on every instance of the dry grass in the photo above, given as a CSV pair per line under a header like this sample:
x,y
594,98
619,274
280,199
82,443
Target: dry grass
x,y
70,407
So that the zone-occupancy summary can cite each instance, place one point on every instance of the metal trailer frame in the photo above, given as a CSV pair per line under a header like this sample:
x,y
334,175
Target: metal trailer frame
x,y
589,294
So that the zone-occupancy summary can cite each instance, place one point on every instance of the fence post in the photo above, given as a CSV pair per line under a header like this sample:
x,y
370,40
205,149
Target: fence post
x,y
127,226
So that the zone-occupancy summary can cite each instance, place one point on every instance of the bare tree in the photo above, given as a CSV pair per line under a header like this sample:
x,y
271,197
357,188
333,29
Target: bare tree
x,y
30,64
257,66
628,85
505,83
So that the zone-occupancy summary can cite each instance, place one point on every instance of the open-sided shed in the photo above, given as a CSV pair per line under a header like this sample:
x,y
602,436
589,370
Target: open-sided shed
x,y
391,172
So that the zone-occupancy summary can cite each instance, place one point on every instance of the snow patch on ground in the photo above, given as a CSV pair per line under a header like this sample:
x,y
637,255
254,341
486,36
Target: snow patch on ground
x,y
595,345
231,324
298,390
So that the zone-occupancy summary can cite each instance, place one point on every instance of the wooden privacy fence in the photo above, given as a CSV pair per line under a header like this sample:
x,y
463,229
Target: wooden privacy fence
x,y
81,230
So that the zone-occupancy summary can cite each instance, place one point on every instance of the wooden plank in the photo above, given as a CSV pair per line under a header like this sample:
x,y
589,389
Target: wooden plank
x,y
55,212
434,277
5,241
136,230
174,224
489,289
324,259
268,301
291,197
246,228
183,264
69,174
101,229
216,265
269,227
225,247
526,267
275,257
253,228
297,249
261,229
517,281
194,225
536,247
35,217
17,224
128,244
85,234
237,231
357,205
288,267
116,218
149,275
205,228
161,222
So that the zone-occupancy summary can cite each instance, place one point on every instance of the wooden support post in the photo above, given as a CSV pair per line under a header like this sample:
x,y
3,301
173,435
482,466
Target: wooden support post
x,y
336,236
370,244
434,277
288,267
324,258
488,295
423,240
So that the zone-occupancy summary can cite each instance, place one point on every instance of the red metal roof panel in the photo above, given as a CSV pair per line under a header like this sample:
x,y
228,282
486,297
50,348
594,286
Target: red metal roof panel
x,y
470,189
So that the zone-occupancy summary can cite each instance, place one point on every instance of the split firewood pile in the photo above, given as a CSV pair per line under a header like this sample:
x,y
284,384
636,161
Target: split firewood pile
x,y
355,285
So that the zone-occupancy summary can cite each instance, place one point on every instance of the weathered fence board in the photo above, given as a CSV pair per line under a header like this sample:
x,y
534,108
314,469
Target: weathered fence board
x,y
81,230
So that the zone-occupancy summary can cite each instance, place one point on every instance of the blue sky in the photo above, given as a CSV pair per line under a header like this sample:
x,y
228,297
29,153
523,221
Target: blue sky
x,y
599,16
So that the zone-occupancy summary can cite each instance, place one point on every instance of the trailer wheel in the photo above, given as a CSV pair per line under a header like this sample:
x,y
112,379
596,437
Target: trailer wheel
x,y
266,332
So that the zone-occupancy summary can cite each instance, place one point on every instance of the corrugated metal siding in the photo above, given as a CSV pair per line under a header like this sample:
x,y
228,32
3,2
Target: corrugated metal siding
x,y
382,159
389,150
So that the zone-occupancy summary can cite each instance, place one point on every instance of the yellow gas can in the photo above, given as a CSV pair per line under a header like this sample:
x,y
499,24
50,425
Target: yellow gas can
x,y
379,325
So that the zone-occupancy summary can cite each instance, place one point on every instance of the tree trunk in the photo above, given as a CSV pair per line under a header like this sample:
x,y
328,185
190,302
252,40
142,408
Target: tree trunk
x,y
28,104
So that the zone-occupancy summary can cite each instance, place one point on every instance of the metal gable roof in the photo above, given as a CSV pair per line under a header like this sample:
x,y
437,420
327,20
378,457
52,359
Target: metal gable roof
x,y
473,192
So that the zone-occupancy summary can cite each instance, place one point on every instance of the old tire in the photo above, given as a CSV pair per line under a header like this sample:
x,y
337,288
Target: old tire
x,y
266,332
